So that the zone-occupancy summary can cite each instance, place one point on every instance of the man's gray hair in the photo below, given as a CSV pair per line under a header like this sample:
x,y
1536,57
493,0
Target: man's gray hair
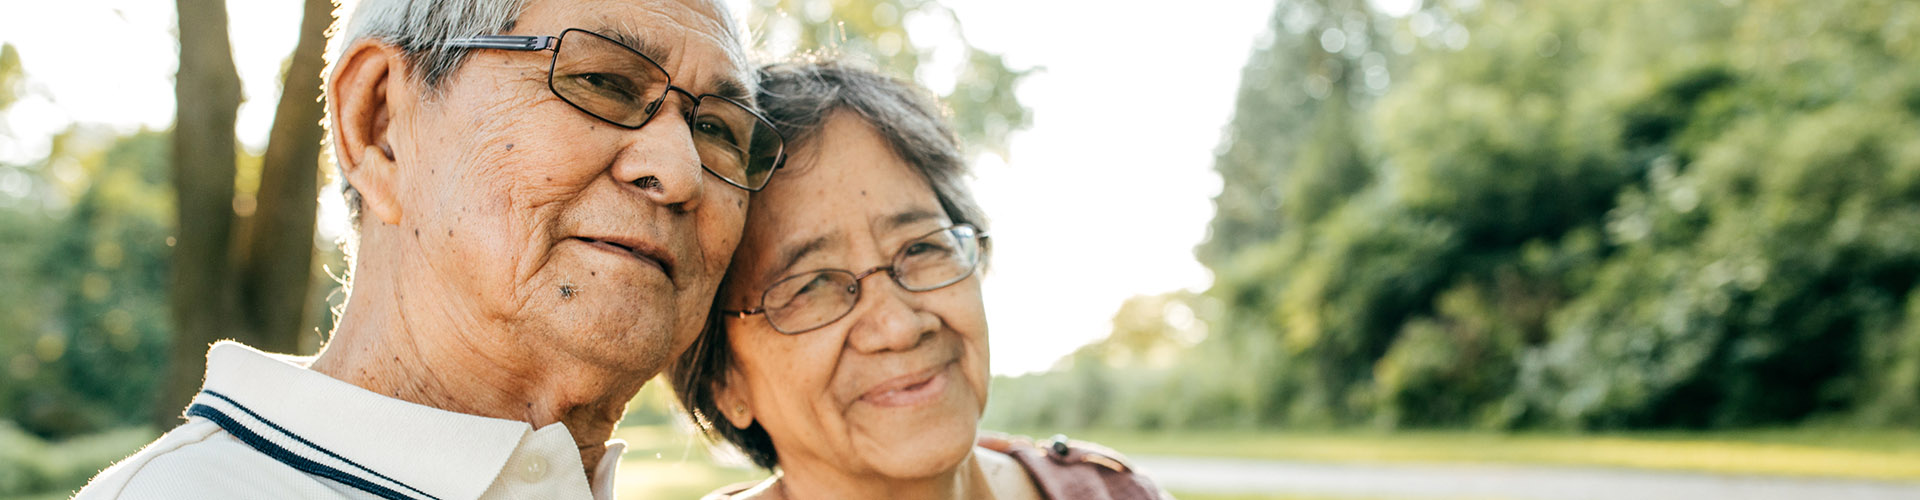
x,y
418,28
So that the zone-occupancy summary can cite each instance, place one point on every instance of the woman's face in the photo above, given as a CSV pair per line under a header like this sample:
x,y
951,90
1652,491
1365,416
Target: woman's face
x,y
895,388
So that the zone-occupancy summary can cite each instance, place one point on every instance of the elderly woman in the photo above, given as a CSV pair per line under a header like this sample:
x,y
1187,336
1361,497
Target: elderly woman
x,y
849,349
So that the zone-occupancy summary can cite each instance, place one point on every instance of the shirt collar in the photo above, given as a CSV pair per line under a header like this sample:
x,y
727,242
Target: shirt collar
x,y
446,454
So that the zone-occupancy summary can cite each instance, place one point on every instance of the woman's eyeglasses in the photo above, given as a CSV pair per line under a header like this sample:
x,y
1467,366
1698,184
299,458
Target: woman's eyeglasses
x,y
806,301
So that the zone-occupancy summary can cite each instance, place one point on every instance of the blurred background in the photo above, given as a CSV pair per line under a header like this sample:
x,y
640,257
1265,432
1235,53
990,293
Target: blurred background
x,y
1270,249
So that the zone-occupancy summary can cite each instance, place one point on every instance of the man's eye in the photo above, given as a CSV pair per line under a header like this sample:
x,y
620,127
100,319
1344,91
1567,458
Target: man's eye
x,y
718,130
609,84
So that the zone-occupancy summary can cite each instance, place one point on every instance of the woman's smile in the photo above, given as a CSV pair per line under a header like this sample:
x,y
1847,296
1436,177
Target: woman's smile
x,y
913,389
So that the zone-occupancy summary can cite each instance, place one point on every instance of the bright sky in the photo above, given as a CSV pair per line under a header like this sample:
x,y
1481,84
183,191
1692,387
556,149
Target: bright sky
x,y
1103,198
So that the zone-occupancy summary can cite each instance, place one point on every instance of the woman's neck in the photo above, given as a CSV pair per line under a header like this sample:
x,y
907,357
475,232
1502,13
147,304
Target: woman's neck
x,y
804,482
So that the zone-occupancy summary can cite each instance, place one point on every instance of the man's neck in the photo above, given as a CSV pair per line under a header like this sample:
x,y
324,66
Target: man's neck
x,y
402,344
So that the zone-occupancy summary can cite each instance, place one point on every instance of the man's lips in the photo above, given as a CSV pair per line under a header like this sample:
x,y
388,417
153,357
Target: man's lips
x,y
909,389
641,250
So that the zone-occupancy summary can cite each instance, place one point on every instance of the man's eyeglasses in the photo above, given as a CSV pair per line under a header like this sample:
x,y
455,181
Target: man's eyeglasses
x,y
806,301
615,83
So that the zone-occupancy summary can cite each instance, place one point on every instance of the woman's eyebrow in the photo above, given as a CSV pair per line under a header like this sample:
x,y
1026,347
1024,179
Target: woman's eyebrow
x,y
909,217
791,254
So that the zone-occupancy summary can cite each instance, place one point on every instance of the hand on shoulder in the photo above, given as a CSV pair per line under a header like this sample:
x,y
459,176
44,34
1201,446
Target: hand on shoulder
x,y
1065,468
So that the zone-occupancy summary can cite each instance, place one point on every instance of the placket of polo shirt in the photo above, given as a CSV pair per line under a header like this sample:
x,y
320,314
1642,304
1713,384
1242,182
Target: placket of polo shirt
x,y
546,464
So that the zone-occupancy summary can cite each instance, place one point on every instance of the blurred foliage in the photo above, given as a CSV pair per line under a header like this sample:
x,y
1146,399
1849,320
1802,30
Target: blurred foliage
x,y
31,467
10,75
1565,214
83,314
86,236
980,99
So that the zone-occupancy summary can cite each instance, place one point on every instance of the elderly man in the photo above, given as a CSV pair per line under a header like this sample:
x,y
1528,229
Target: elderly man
x,y
546,194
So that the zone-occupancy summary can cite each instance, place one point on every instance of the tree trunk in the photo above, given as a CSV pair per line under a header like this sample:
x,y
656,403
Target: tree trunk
x,y
248,285
279,259
207,98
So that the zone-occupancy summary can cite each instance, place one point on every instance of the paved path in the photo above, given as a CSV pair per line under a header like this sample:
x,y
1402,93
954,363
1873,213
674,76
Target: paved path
x,y
1506,482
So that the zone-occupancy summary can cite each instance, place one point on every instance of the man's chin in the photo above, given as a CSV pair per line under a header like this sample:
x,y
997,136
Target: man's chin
x,y
642,350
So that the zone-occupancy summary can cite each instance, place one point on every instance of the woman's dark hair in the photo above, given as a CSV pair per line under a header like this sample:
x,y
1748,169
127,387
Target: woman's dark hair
x,y
799,97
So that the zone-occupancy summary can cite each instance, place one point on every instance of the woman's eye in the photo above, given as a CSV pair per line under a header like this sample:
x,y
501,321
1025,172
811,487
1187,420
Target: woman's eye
x,y
922,248
818,282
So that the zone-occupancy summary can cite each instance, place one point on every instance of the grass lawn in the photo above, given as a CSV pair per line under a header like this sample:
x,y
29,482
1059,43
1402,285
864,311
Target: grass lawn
x,y
1838,453
666,462
671,463
663,462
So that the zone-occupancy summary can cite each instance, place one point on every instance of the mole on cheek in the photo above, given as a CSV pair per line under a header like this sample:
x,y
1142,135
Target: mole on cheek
x,y
509,146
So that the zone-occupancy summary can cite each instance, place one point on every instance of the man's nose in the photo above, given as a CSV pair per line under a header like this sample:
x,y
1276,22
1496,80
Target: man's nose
x,y
892,320
661,162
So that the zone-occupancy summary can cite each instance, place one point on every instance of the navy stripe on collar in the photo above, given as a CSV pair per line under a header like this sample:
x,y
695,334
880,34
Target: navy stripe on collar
x,y
295,460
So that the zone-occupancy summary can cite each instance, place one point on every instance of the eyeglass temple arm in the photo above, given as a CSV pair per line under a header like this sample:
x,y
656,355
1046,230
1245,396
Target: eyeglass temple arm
x,y
504,42
744,313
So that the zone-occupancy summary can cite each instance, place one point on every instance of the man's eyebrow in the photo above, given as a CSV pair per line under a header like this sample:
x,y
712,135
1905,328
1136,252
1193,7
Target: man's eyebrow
x,y
660,55
727,86
731,88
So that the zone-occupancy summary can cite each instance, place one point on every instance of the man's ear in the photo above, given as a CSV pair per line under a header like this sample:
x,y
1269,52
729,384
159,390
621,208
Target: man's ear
x,y
362,98
730,395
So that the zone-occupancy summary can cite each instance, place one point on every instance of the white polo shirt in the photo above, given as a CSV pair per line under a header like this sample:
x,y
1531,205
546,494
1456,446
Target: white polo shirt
x,y
264,426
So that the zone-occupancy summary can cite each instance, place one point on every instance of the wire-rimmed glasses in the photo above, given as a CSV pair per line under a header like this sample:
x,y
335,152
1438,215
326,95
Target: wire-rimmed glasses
x,y
813,299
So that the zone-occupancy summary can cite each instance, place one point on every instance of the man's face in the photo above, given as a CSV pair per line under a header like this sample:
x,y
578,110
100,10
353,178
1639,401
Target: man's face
x,y
577,238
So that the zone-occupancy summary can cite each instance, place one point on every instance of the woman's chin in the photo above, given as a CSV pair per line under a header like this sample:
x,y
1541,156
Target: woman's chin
x,y
921,452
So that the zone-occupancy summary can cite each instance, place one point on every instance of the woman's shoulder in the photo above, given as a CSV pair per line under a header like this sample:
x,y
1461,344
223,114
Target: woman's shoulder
x,y
1063,468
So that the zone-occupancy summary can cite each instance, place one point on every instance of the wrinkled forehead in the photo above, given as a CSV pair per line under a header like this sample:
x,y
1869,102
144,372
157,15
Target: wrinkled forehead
x,y
697,41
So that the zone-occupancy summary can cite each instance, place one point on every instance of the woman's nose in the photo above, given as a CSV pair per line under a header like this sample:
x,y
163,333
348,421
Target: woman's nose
x,y
891,320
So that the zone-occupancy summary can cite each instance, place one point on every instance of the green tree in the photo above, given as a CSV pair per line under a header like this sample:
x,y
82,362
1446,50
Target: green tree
x,y
1595,214
1583,214
1295,145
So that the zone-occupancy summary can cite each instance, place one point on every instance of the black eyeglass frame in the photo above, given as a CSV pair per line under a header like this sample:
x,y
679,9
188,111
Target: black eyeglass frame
x,y
532,43
980,241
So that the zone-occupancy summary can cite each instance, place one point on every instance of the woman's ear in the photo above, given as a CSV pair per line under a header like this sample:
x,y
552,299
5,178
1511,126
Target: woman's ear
x,y
731,396
368,82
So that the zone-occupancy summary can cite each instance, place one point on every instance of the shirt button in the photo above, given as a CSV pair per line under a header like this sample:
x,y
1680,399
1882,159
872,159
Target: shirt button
x,y
535,468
